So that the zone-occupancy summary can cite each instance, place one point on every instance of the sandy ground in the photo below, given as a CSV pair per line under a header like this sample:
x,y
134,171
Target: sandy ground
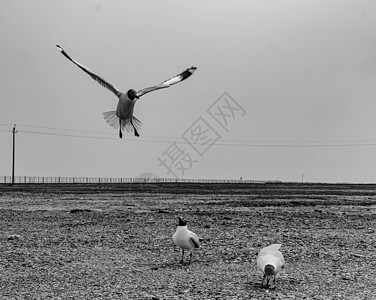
x,y
114,241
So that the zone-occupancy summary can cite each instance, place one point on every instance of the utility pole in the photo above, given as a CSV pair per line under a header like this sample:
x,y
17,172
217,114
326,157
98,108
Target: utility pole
x,y
14,131
302,178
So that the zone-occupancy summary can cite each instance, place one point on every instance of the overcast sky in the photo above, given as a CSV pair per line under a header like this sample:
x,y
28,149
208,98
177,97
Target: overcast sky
x,y
283,88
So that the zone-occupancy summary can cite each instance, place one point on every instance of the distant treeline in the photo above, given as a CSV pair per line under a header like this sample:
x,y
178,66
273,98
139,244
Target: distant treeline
x,y
104,180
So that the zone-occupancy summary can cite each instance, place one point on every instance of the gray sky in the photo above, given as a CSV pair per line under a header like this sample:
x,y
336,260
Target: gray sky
x,y
300,74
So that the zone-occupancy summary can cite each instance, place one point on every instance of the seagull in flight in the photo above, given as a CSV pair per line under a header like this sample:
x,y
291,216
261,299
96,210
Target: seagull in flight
x,y
185,239
270,261
123,117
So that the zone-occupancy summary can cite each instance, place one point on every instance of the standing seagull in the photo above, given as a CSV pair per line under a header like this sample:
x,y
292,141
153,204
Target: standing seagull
x,y
270,261
185,239
123,117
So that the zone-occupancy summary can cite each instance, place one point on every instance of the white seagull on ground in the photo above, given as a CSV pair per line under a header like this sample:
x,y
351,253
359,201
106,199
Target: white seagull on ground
x,y
270,261
123,117
185,239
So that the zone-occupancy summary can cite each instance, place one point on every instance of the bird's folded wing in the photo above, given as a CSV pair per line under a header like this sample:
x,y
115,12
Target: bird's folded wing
x,y
96,77
194,241
167,83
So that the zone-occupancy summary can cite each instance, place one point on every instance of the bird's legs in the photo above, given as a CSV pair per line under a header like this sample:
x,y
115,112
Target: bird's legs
x,y
262,281
182,256
135,130
190,257
267,281
120,133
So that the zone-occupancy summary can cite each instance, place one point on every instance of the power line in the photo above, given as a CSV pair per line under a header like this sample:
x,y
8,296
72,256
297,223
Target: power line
x,y
84,131
276,145
220,142
62,129
89,137
300,142
64,134
96,137
367,142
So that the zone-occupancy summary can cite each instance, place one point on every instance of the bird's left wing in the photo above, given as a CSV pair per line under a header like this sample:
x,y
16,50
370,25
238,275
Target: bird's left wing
x,y
96,77
167,83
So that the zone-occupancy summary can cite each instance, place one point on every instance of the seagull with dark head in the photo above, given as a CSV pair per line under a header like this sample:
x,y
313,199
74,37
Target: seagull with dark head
x,y
123,117
270,261
185,239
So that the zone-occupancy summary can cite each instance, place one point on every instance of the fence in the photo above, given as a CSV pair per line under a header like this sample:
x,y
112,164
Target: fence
x,y
105,180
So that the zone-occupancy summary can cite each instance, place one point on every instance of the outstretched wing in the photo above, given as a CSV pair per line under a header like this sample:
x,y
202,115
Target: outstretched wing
x,y
167,83
96,77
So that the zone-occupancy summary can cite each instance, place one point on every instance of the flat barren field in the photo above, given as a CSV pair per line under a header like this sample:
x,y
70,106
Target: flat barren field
x,y
114,241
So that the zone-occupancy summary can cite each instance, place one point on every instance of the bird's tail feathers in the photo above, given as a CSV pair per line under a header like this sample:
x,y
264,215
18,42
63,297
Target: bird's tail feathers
x,y
275,246
111,118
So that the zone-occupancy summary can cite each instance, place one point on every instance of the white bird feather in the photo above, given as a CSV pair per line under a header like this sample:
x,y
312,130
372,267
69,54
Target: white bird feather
x,y
271,262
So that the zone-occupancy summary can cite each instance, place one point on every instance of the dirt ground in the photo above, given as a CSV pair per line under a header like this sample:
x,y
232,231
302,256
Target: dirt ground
x,y
114,241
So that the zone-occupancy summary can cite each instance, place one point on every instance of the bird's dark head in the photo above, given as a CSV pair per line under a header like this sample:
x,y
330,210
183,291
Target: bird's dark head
x,y
132,94
269,270
182,222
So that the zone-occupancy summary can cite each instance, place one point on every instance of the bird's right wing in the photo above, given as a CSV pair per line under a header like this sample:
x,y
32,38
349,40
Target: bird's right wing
x,y
96,77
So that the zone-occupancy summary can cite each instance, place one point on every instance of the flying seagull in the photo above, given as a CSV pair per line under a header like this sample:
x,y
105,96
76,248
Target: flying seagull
x,y
185,239
123,117
270,261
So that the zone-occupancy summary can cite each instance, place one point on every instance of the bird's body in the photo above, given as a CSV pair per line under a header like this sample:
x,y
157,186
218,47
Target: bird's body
x,y
185,239
125,107
123,117
270,261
